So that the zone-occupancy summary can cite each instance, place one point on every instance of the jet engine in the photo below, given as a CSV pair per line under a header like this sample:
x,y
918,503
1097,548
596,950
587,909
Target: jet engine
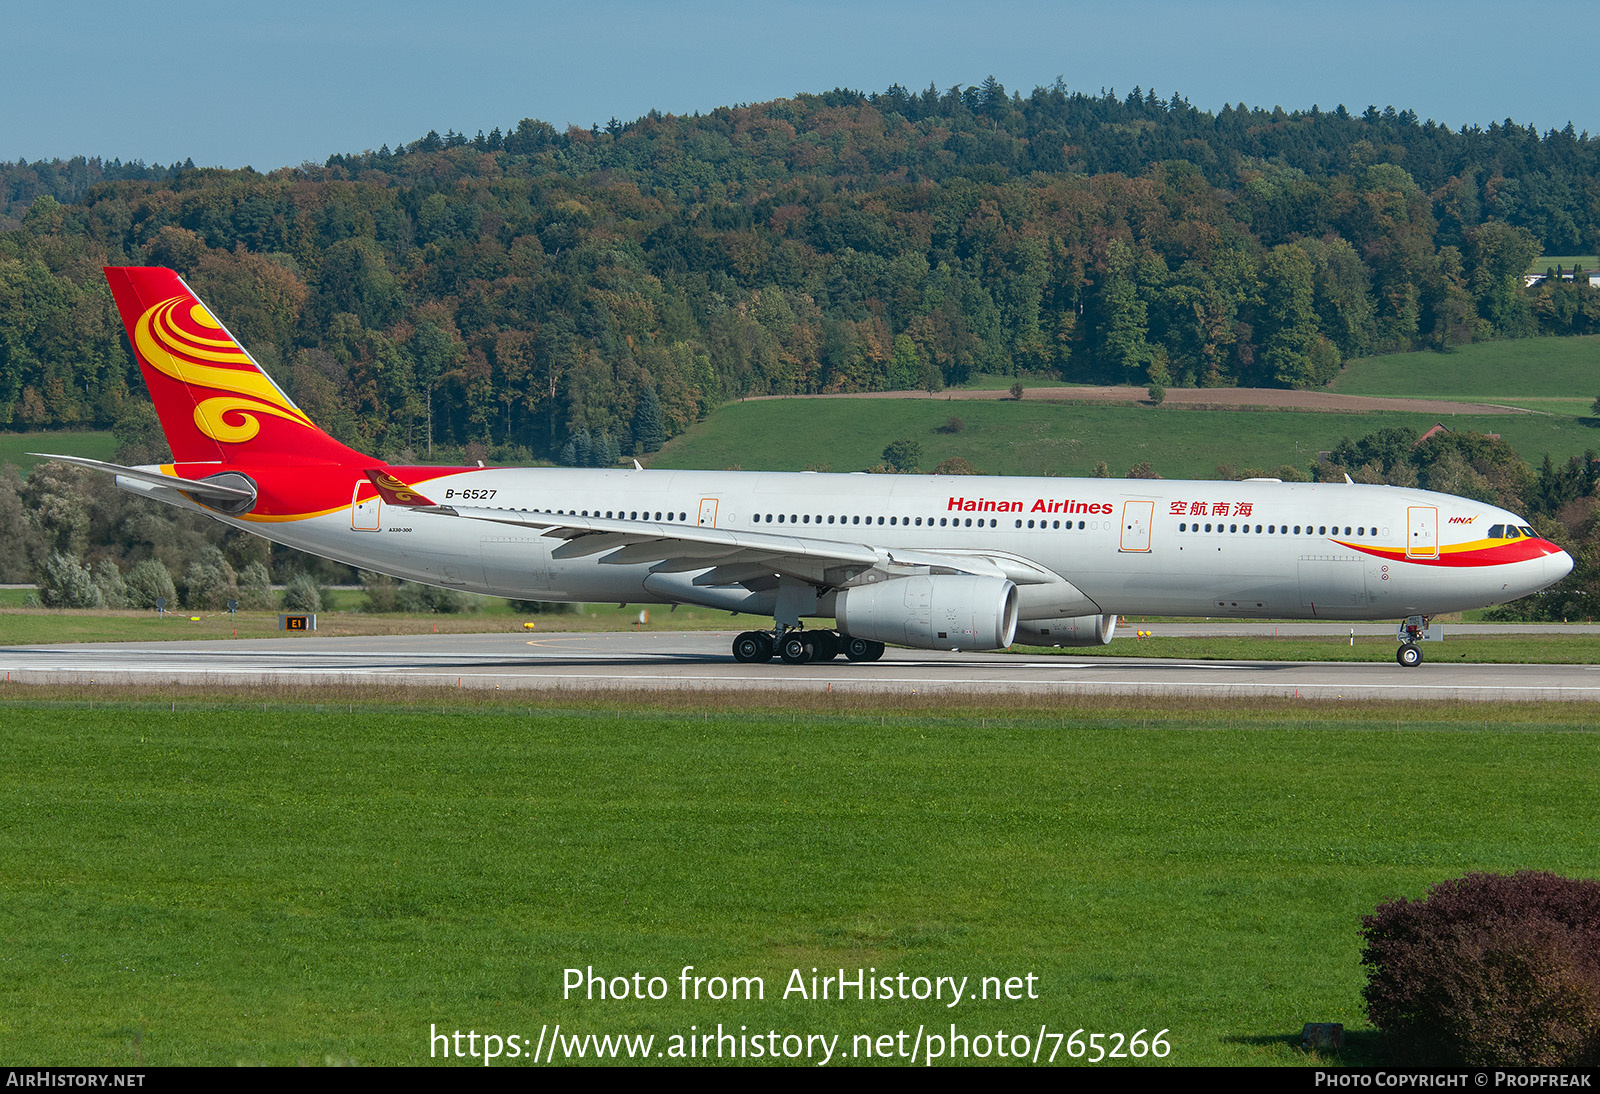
x,y
932,612
1077,630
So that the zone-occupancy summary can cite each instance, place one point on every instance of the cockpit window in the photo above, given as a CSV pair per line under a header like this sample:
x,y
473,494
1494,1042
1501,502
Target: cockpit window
x,y
1498,531
1529,532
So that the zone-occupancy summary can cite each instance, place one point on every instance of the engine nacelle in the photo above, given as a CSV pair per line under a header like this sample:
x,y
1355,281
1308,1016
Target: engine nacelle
x,y
932,612
1077,630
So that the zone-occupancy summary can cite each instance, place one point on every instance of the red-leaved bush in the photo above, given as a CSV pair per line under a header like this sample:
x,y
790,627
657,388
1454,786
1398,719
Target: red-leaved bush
x,y
1487,970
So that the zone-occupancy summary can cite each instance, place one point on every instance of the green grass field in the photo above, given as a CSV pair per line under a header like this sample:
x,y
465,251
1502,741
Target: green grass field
x,y
225,884
1498,372
1546,262
95,445
1039,438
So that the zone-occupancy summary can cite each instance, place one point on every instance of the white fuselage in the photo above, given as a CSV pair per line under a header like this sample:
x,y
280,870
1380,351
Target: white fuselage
x,y
1249,549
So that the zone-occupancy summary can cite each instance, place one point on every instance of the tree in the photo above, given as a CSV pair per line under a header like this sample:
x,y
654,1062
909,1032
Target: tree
x,y
1125,316
432,352
649,428
1290,333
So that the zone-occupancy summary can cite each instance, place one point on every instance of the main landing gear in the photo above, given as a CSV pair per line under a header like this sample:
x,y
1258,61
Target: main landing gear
x,y
1414,630
800,647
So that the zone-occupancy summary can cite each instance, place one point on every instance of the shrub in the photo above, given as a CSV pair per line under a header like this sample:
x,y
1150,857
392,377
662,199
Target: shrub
x,y
149,581
1489,970
953,424
903,455
255,589
67,583
1016,390
1158,394
209,582
301,593
108,579
956,465
379,592
543,607
412,597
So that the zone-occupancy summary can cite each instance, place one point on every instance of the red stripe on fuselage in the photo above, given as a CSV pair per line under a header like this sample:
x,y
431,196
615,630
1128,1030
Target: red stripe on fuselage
x,y
1502,553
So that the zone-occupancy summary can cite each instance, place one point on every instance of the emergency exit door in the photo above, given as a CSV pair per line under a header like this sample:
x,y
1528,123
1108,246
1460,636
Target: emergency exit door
x,y
1137,516
1422,534
708,512
364,515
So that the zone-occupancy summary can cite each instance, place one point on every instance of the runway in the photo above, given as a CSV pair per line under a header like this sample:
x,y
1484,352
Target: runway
x,y
700,662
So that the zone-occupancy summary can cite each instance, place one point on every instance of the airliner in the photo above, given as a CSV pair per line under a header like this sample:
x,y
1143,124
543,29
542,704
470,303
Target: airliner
x,y
926,561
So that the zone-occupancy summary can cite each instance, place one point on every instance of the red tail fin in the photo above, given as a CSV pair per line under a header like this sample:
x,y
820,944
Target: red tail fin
x,y
215,403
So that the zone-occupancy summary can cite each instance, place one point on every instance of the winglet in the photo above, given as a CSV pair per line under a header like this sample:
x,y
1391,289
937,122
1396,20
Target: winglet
x,y
395,492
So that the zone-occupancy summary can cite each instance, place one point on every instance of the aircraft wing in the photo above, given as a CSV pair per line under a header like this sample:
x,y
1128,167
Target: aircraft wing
x,y
730,557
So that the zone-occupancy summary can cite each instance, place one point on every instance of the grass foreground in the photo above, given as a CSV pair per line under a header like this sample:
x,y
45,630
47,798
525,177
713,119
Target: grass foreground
x,y
255,876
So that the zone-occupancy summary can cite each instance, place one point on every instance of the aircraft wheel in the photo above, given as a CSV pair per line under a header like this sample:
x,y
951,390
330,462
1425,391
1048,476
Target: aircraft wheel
x,y
825,645
857,649
876,651
796,650
1409,655
752,646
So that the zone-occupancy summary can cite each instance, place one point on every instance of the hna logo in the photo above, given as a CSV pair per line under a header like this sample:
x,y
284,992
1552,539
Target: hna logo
x,y
1463,520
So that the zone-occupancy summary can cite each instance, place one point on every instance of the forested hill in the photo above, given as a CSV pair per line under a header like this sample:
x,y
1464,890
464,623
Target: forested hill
x,y
528,287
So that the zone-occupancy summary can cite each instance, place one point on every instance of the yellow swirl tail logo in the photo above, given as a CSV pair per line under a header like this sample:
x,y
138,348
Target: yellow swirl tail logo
x,y
199,353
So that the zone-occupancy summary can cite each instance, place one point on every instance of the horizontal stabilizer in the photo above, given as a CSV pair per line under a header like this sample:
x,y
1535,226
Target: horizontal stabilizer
x,y
395,492
190,486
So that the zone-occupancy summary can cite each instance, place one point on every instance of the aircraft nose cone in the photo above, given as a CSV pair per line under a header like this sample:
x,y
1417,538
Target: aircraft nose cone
x,y
1557,566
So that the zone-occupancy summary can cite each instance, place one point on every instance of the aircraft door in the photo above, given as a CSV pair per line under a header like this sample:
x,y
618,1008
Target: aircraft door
x,y
708,512
364,515
1422,540
1137,517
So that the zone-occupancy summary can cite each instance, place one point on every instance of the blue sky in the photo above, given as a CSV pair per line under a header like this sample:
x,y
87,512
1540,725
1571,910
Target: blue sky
x,y
272,85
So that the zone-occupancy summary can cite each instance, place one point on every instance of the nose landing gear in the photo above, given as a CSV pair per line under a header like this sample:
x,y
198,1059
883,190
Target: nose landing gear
x,y
1415,629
